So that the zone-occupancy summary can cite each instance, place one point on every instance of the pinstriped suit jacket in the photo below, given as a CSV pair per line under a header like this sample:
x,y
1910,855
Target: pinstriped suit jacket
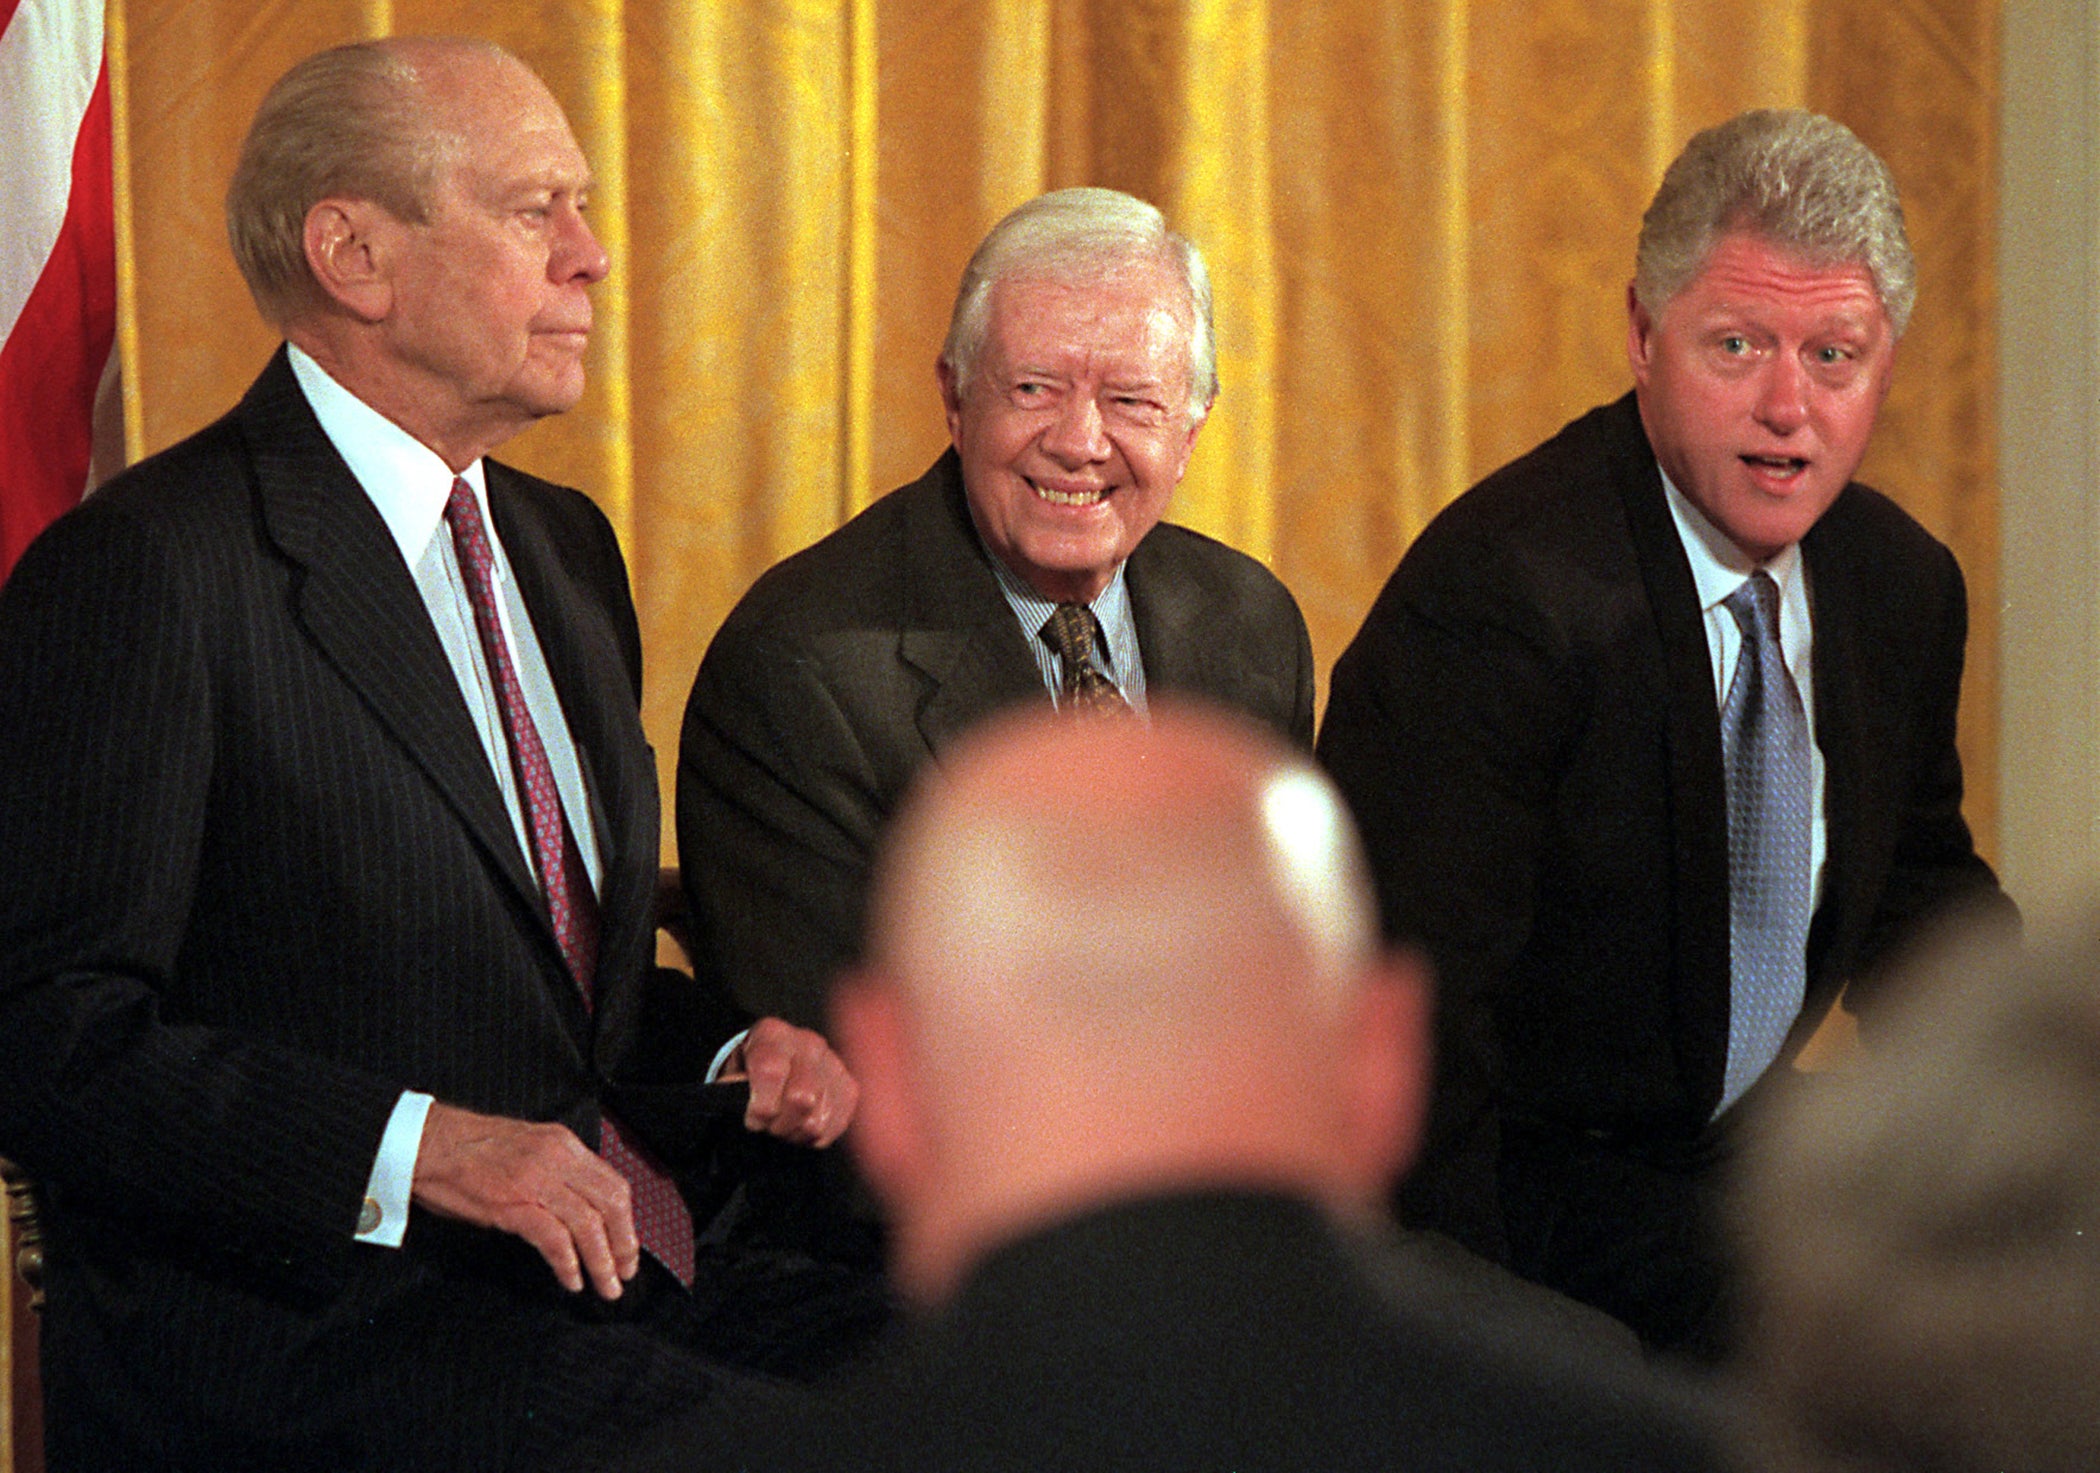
x,y
256,878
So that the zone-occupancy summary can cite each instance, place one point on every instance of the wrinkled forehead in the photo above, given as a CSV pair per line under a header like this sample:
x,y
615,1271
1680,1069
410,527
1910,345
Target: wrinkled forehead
x,y
1135,315
1749,261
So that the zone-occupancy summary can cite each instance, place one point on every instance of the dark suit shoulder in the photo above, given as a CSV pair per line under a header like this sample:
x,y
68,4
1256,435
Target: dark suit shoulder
x,y
1218,570
869,572
1227,1330
203,480
561,504
836,578
1890,603
1541,554
1215,623
165,535
1865,529
578,535
1563,502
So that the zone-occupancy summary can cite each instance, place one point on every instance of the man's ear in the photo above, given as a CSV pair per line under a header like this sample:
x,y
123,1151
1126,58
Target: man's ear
x,y
871,1029
1188,445
350,249
1640,336
1387,1067
951,398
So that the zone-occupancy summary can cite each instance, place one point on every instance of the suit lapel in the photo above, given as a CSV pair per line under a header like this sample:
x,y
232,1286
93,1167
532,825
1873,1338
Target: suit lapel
x,y
1698,862
1839,717
959,632
358,602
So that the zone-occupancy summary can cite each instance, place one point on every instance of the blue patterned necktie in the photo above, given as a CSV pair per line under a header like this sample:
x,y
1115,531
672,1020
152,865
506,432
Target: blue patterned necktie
x,y
1765,748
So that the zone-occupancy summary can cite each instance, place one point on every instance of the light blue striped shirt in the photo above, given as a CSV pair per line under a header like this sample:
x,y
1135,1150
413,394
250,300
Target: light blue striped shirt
x,y
1115,655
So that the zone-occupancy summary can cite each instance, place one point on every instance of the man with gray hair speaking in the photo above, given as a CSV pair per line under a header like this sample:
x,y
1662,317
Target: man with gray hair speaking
x,y
1651,734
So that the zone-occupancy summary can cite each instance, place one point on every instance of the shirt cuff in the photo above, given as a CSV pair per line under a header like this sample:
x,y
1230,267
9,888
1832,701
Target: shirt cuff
x,y
384,1217
714,1070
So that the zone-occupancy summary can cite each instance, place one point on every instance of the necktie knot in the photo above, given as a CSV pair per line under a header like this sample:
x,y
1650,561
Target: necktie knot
x,y
1755,604
1070,631
470,538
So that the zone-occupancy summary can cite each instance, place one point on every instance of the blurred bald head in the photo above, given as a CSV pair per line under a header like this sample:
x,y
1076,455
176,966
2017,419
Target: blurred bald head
x,y
1111,957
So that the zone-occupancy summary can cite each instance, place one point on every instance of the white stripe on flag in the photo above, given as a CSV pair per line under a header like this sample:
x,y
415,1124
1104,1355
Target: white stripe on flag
x,y
50,55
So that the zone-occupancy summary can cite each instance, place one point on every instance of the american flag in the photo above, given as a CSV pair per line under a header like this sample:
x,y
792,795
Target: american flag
x,y
57,258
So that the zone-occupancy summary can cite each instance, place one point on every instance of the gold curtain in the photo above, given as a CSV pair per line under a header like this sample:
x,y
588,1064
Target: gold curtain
x,y
1420,216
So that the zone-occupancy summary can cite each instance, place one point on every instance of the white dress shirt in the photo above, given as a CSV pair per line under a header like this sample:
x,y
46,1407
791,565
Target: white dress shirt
x,y
409,485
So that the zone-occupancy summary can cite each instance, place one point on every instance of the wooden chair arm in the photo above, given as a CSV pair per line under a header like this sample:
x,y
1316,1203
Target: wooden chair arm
x,y
29,1234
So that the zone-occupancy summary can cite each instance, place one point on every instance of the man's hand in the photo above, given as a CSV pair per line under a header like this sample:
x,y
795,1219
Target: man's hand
x,y
800,1090
537,1180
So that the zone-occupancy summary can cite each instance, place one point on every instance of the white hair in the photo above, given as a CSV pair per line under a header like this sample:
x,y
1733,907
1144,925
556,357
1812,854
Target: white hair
x,y
1081,234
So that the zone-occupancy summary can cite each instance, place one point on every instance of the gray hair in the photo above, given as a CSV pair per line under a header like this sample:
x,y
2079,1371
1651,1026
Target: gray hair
x,y
346,122
1796,179
1081,234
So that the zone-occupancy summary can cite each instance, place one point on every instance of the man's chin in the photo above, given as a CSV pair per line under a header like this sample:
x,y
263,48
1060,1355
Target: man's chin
x,y
555,396
1068,576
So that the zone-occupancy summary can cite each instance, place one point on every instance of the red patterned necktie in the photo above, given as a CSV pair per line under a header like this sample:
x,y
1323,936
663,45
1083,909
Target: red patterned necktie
x,y
661,1218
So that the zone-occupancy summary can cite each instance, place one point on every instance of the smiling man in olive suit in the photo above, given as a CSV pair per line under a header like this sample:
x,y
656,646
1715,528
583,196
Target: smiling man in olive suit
x,y
1078,369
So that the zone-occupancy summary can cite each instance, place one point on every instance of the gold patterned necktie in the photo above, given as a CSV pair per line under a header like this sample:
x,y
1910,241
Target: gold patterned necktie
x,y
1070,631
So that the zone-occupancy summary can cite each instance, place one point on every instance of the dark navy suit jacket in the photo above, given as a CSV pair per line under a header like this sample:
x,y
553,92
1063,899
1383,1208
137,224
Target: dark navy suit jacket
x,y
257,878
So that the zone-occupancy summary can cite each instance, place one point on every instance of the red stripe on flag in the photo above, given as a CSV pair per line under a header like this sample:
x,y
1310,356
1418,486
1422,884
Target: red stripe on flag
x,y
53,360
7,12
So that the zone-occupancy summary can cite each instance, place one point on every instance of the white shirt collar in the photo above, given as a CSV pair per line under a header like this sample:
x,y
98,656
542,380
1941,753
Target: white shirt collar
x,y
1718,565
407,481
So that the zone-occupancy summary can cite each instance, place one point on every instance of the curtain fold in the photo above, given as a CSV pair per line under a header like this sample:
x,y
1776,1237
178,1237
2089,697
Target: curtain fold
x,y
1420,220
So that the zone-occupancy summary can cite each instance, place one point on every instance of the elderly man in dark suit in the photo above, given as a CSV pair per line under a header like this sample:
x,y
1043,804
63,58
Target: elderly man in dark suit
x,y
1028,565
1652,734
330,838
1136,1145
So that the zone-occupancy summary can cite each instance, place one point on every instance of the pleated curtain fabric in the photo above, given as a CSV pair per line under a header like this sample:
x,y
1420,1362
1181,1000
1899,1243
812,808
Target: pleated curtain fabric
x,y
1408,294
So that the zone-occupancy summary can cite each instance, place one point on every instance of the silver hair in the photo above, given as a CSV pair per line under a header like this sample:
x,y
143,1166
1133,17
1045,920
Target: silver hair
x,y
1081,234
1796,179
345,122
